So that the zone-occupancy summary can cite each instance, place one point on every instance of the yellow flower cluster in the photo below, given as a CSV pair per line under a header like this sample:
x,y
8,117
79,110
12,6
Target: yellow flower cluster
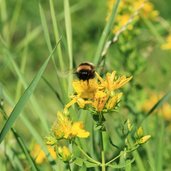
x,y
127,8
99,94
65,128
167,45
63,131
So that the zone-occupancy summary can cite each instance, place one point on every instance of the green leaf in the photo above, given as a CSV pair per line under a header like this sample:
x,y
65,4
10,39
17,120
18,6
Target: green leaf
x,y
23,99
68,28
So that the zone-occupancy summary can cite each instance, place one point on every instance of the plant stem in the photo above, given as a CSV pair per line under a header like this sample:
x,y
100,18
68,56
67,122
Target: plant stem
x,y
102,151
114,159
68,167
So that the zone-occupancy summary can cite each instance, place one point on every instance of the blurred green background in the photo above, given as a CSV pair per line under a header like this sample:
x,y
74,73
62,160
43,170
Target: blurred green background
x,y
21,18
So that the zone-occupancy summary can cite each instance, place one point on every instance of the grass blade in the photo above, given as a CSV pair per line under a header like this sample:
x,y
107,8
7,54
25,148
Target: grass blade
x,y
68,28
22,101
22,67
45,28
33,100
62,82
53,90
56,33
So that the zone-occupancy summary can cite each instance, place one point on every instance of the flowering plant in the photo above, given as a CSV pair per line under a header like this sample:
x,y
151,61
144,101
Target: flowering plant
x,y
99,97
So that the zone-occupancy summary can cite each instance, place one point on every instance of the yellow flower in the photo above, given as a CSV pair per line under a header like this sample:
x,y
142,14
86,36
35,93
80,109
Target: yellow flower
x,y
100,100
149,12
64,153
113,101
103,101
167,45
85,89
39,154
77,130
65,128
80,101
62,127
111,83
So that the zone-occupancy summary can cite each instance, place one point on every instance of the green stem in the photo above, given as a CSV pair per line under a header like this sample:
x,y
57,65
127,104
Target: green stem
x,y
113,159
87,156
129,151
102,151
68,166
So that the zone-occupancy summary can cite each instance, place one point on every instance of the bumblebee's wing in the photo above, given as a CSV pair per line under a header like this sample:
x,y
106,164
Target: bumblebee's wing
x,y
64,74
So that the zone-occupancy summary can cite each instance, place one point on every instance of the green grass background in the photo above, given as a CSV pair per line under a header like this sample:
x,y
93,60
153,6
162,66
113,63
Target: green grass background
x,y
23,48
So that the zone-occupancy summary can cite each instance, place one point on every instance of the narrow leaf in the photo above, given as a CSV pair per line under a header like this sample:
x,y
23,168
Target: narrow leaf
x,y
68,28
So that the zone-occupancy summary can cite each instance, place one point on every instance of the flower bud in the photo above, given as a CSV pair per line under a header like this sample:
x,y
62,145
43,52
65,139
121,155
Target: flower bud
x,y
65,153
144,139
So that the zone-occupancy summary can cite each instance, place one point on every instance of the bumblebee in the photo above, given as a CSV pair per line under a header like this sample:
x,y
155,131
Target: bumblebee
x,y
85,71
